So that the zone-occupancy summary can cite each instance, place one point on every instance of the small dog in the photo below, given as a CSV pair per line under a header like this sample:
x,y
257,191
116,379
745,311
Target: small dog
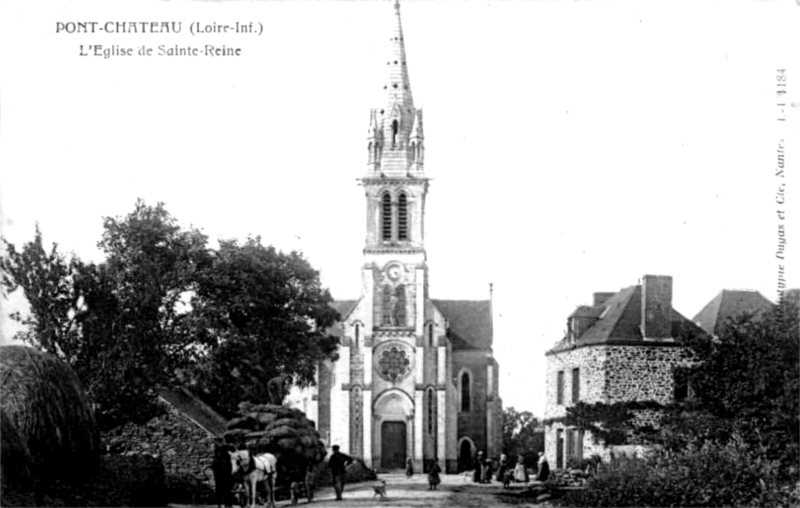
x,y
380,490
507,477
295,491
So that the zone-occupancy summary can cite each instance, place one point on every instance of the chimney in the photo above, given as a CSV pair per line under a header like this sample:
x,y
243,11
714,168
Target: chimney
x,y
601,298
657,307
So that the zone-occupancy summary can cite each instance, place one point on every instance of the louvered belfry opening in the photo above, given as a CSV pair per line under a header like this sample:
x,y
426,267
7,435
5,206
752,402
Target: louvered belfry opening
x,y
386,218
402,218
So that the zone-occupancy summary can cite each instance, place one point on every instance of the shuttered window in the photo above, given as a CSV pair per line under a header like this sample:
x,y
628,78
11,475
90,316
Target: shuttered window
x,y
576,385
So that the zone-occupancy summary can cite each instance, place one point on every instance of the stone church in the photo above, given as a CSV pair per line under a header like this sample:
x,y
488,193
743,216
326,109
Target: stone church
x,y
416,377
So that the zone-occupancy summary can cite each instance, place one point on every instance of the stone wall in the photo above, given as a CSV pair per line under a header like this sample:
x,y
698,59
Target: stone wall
x,y
185,449
610,373
472,423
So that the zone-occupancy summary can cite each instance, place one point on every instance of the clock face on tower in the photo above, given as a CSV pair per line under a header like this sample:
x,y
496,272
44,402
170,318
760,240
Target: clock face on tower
x,y
393,272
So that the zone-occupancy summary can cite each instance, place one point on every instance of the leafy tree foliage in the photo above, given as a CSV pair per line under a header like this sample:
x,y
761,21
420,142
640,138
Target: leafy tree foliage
x,y
522,435
268,313
746,381
46,279
163,308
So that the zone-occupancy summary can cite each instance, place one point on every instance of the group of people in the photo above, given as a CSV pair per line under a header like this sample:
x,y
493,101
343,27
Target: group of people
x,y
338,462
485,470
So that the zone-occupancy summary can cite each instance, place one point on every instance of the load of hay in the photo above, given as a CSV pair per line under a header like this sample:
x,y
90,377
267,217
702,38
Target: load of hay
x,y
45,409
16,480
282,431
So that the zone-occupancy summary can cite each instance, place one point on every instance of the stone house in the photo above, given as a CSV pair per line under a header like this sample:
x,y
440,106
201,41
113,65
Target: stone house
x,y
183,437
622,347
416,377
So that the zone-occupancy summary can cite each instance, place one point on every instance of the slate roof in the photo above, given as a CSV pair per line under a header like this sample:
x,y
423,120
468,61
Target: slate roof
x,y
470,322
728,304
345,307
588,311
195,409
620,318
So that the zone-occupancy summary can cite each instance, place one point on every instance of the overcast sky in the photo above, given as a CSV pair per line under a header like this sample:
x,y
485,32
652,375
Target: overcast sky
x,y
573,146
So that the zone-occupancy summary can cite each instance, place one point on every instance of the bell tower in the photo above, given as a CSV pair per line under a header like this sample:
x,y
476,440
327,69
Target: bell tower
x,y
394,275
395,186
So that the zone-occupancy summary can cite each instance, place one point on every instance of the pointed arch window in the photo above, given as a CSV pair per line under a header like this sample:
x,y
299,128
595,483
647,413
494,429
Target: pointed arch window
x,y
402,217
400,306
387,305
395,129
386,217
430,334
369,149
357,333
465,392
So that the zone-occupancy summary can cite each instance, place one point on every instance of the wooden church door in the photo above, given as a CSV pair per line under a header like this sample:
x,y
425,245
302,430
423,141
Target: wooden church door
x,y
393,445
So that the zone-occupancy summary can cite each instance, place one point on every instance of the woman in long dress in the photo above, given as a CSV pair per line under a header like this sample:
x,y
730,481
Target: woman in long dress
x,y
520,473
501,468
478,476
433,475
409,468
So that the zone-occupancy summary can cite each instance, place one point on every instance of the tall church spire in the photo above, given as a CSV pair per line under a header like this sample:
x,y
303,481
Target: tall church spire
x,y
398,149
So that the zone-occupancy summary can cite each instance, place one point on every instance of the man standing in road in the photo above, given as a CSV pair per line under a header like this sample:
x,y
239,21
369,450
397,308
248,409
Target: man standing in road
x,y
338,462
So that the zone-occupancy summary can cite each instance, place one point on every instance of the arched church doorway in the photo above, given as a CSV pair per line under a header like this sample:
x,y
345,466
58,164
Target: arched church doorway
x,y
393,445
465,456
392,438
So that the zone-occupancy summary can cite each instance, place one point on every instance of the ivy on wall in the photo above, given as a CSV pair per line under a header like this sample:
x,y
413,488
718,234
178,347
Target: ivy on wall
x,y
609,424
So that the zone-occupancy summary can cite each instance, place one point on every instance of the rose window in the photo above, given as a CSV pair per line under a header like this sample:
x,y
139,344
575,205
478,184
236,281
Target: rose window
x,y
394,363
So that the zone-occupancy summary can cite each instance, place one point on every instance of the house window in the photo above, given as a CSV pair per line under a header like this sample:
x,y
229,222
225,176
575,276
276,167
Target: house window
x,y
402,218
465,403
576,385
681,390
560,388
386,217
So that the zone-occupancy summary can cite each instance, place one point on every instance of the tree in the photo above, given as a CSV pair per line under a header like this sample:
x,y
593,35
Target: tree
x,y
46,280
120,324
522,435
164,309
267,313
747,382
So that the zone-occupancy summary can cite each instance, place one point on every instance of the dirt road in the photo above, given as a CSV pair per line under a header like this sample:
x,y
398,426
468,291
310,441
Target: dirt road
x,y
455,491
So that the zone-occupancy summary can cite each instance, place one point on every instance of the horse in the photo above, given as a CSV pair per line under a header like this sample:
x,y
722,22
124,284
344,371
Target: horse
x,y
256,469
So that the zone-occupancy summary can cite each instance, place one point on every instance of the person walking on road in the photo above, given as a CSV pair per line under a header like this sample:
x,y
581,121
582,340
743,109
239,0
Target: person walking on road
x,y
338,463
409,468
